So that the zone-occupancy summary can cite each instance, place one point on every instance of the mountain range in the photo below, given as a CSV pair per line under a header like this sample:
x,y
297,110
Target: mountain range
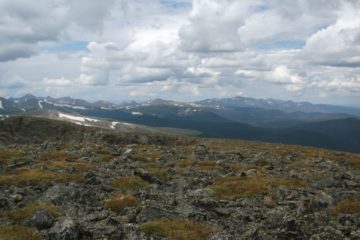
x,y
304,123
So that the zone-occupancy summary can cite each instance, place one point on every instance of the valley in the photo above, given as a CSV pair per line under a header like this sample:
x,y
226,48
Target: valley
x,y
326,126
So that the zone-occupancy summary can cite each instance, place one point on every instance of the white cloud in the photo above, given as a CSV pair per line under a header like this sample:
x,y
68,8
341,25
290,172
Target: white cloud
x,y
208,48
338,44
24,25
57,82
348,84
212,26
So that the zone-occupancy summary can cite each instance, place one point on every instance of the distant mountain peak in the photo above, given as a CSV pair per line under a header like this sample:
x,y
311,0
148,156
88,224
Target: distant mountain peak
x,y
159,101
28,96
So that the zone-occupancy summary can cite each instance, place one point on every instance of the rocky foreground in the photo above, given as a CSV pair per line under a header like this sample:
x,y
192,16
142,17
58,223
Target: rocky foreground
x,y
59,181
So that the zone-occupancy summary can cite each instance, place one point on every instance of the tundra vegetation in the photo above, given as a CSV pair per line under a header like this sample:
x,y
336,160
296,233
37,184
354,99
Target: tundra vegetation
x,y
131,186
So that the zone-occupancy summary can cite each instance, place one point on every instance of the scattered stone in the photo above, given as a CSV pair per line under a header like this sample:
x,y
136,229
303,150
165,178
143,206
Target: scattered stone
x,y
147,176
41,219
148,214
17,197
83,176
4,203
200,150
64,229
91,178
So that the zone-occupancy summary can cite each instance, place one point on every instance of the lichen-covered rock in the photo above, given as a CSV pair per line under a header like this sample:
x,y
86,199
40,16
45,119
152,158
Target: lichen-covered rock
x,y
64,229
41,219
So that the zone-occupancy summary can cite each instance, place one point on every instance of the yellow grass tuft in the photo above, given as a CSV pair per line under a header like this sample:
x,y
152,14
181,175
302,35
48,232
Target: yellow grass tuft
x,y
120,201
25,176
237,167
23,213
305,165
18,232
158,170
129,183
207,166
177,229
81,166
290,183
184,163
8,155
57,155
348,206
146,153
234,187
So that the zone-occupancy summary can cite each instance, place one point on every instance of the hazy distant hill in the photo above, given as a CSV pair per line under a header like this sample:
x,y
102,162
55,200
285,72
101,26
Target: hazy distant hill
x,y
244,118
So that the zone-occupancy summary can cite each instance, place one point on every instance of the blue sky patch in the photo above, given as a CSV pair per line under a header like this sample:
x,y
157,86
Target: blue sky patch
x,y
259,8
285,44
69,47
175,4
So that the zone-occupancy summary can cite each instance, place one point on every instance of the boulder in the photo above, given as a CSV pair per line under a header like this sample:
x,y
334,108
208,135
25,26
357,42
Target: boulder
x,y
41,219
64,229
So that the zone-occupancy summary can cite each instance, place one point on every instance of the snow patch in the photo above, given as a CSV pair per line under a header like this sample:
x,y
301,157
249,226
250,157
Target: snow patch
x,y
40,105
194,105
3,117
74,118
77,107
91,119
66,105
128,151
113,124
106,108
1,105
137,113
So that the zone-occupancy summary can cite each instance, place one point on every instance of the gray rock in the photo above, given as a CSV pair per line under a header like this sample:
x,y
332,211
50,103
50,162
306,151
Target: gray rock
x,y
4,203
200,150
147,176
97,216
101,230
131,232
221,236
91,178
207,203
325,183
41,219
17,197
72,193
254,232
200,193
328,233
148,214
64,229
322,200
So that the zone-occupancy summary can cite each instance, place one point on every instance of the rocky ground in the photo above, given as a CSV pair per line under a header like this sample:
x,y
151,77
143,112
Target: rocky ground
x,y
77,183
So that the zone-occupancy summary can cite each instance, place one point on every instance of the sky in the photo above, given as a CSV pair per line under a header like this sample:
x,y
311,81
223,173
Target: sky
x,y
121,50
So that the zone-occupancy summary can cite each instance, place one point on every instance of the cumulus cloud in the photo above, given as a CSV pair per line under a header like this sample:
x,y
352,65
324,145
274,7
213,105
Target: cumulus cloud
x,y
182,48
213,26
338,44
280,75
351,84
24,25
